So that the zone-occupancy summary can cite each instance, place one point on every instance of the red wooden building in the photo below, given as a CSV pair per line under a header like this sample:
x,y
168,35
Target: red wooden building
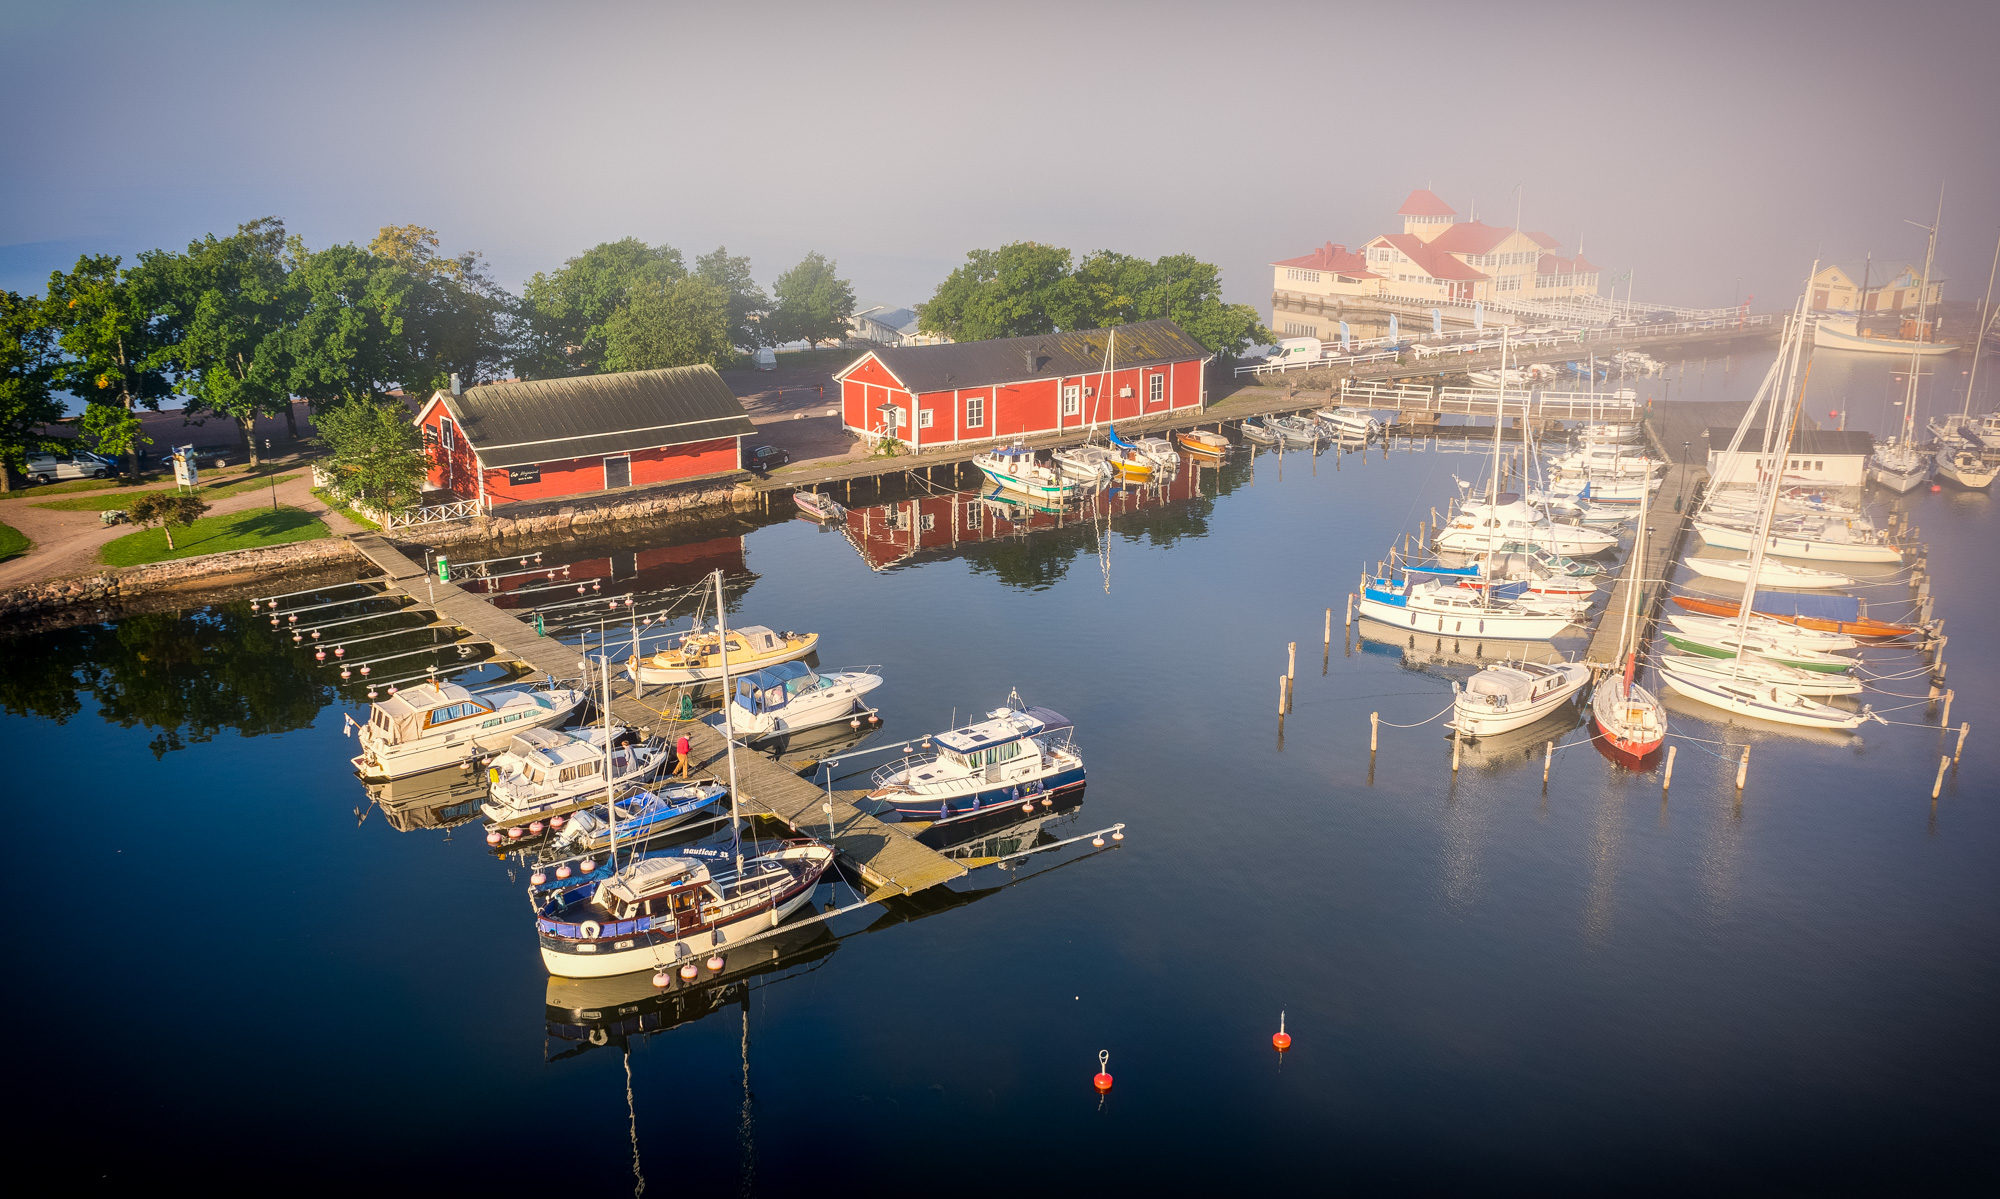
x,y
543,439
976,391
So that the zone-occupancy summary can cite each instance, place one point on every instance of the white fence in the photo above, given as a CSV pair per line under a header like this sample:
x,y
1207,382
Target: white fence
x,y
430,514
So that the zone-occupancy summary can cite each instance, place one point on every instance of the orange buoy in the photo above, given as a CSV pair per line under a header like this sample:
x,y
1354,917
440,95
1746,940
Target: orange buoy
x,y
1103,1080
1281,1038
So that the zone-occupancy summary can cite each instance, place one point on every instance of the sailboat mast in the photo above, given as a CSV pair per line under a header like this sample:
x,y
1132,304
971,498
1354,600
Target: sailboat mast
x,y
728,735
610,804
1979,343
1923,308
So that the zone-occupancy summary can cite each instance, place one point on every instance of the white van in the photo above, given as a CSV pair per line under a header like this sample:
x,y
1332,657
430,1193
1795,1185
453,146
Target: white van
x,y
1294,350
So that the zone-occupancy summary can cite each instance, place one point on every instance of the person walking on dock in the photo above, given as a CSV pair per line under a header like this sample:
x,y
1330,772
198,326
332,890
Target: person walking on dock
x,y
683,751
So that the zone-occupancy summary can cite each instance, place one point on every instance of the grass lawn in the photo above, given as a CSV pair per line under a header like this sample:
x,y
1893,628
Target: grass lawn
x,y
215,534
124,499
327,497
12,542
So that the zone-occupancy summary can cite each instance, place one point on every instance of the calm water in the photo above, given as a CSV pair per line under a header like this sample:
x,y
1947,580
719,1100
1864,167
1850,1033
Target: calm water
x,y
242,971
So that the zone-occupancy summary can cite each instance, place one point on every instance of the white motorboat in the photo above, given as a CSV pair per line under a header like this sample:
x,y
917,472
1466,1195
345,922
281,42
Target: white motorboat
x,y
1753,669
1513,695
442,724
1611,433
696,656
1774,574
1014,468
1016,755
1349,422
1254,429
1295,430
819,506
1088,465
1160,452
638,817
1606,462
543,770
1479,527
1435,607
1501,377
1823,539
1762,701
793,697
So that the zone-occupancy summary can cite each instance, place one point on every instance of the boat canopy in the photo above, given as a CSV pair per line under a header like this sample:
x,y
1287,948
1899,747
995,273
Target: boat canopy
x,y
1502,682
1799,603
1118,441
405,711
772,687
1006,725
1051,719
648,877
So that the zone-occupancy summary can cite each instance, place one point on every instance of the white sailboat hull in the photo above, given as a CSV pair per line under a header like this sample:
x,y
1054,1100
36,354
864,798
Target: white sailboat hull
x,y
1794,546
1760,670
1765,701
1524,626
1774,574
1842,335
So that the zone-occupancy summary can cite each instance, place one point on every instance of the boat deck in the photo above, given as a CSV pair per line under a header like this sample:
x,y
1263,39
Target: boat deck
x,y
888,858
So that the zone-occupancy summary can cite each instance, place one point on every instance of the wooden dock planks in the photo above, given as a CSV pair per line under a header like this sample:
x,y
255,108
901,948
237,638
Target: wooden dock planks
x,y
886,856
1668,514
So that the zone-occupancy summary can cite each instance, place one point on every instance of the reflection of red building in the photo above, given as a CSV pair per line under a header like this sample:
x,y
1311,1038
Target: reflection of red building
x,y
643,570
889,534
984,390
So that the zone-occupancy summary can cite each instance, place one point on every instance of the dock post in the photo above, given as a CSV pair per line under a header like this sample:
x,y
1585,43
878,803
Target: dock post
x,y
1958,749
1327,640
1944,721
1350,610
1292,662
1374,728
1743,769
1548,759
1668,779
1938,785
1454,751
1283,684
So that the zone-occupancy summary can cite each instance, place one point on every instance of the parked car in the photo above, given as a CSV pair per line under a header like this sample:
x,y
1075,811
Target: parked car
x,y
762,458
47,468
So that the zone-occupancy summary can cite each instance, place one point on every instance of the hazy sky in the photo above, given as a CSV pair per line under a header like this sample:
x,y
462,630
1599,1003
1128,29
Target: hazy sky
x,y
1692,142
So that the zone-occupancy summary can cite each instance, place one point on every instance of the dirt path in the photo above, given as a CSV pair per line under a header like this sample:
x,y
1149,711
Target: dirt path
x,y
66,543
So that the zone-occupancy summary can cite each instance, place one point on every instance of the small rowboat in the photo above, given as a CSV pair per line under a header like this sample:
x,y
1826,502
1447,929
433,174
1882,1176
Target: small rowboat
x,y
1202,442
820,507
1864,626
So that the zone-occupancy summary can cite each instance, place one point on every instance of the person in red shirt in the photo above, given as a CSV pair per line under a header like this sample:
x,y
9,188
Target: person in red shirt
x,y
683,752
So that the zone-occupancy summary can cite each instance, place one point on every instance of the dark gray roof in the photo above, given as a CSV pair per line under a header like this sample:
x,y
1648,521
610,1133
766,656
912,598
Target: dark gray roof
x,y
1022,359
1804,441
549,420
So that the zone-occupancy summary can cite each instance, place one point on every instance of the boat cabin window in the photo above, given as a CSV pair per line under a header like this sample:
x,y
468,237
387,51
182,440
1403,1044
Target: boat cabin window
x,y
451,712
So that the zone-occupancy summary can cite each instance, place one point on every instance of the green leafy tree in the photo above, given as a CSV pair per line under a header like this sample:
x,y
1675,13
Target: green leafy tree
x,y
1106,289
748,305
565,312
169,510
373,451
675,324
813,302
345,338
1189,292
27,372
1015,291
455,318
229,307
114,349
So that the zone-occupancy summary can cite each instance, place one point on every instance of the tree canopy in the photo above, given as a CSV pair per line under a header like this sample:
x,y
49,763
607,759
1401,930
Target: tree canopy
x,y
1027,288
813,302
748,305
673,324
28,365
373,451
565,312
110,327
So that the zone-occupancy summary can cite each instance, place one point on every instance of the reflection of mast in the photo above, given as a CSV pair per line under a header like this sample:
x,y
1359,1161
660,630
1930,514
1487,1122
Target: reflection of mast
x,y
632,1123
746,1138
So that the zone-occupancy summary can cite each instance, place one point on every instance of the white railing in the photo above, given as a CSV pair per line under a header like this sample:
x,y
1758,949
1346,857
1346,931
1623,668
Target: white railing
x,y
430,514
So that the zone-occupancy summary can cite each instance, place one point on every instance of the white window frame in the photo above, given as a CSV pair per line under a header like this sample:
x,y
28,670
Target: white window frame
x,y
1072,399
975,412
445,433
923,418
1156,389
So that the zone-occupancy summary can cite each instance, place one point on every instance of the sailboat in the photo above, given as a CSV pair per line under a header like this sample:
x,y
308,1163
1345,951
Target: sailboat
x,y
1898,464
659,911
1743,689
1631,721
1959,456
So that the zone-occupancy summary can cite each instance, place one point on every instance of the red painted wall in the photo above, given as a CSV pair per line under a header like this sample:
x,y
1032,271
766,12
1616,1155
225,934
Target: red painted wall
x,y
1012,410
459,473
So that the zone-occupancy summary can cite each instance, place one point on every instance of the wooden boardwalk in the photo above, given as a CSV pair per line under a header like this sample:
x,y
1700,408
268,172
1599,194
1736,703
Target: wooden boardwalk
x,y
886,856
1668,516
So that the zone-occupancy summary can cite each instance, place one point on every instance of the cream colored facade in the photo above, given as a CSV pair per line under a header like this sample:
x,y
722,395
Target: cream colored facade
x,y
1889,289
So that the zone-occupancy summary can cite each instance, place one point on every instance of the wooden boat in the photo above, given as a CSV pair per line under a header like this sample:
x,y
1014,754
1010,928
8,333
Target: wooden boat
x,y
1843,335
1202,442
697,656
1133,464
1866,627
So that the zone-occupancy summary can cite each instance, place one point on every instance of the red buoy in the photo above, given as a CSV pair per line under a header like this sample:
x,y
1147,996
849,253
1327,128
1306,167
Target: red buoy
x,y
1103,1080
1281,1039
1937,487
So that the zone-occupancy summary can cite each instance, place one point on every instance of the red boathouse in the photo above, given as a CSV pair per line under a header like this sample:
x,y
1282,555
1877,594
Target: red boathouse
x,y
544,439
976,391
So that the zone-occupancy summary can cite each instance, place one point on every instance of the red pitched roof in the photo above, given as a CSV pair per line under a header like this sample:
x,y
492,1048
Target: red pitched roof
x,y
1470,237
1545,241
1436,263
1550,264
1424,202
1331,257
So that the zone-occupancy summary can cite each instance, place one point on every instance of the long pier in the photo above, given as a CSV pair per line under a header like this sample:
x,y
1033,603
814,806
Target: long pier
x,y
1668,516
887,857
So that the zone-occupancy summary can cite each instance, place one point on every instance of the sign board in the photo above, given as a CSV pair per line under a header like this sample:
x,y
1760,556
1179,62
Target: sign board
x,y
524,474
444,569
185,474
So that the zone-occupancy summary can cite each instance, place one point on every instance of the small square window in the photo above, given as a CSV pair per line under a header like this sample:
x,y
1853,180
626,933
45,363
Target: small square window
x,y
924,418
975,411
1072,400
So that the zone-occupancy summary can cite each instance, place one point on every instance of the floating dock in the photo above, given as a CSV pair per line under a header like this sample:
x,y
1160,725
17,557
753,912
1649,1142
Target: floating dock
x,y
888,858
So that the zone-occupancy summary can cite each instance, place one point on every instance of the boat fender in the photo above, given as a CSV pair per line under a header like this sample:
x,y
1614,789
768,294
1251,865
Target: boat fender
x,y
599,1037
589,929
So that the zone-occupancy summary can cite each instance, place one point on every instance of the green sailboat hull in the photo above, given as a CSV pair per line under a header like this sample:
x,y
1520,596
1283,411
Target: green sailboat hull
x,y
1681,641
